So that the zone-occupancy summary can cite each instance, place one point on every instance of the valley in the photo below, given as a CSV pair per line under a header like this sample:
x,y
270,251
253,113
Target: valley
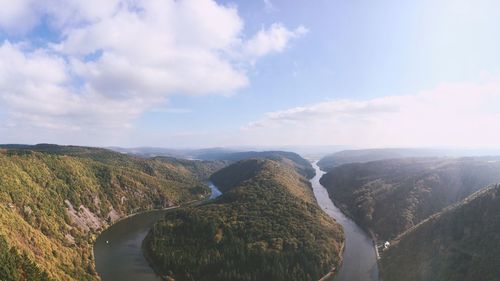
x,y
359,260
80,213
232,140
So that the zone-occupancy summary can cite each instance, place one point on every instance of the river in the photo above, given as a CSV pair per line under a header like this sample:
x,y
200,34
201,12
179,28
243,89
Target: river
x,y
118,252
360,261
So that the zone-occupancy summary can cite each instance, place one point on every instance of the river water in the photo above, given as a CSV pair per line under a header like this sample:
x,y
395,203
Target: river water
x,y
117,250
360,260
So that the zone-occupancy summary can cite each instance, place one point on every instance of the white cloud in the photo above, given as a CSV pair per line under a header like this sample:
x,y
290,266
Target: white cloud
x,y
38,90
120,58
456,114
17,16
274,39
22,15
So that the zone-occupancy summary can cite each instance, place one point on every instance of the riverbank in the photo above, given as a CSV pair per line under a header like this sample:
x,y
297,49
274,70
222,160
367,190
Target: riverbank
x,y
331,274
346,212
117,249
147,255
152,263
96,235
359,256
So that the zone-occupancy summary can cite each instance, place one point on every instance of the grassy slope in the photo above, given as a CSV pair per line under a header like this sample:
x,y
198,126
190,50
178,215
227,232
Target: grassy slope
x,y
36,181
460,244
266,226
391,196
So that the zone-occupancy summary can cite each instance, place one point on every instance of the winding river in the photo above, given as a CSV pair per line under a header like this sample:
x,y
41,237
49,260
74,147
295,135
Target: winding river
x,y
117,250
360,261
118,253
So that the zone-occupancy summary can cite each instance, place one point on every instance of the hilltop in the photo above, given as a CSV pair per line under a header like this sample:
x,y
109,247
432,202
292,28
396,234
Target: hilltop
x,y
266,226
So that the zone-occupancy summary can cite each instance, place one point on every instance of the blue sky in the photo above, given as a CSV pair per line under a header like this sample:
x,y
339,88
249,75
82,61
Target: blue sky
x,y
362,73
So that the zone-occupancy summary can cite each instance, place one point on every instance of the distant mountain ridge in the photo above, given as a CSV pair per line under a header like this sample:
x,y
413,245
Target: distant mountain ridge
x,y
223,154
333,160
367,155
174,152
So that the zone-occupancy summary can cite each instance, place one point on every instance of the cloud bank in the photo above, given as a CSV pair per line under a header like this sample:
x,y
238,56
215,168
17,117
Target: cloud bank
x,y
113,60
464,114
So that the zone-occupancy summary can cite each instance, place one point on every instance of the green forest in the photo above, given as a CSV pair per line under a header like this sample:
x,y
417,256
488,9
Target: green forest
x,y
266,226
55,199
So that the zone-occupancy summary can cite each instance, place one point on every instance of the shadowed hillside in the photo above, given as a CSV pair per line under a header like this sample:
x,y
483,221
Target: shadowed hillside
x,y
460,244
391,196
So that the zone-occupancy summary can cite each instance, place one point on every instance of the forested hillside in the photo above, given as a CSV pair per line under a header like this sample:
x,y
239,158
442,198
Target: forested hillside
x,y
15,266
266,226
390,196
460,244
54,199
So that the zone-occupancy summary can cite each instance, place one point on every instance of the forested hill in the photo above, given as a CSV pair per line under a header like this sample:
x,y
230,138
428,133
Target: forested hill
x,y
390,196
303,166
266,226
460,244
54,199
235,175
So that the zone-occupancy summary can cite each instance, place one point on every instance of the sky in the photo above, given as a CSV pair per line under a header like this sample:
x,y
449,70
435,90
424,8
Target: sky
x,y
204,73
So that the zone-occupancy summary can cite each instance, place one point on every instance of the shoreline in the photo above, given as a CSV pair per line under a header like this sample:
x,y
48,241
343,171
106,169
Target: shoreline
x,y
331,274
97,234
150,259
147,254
369,233
367,230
